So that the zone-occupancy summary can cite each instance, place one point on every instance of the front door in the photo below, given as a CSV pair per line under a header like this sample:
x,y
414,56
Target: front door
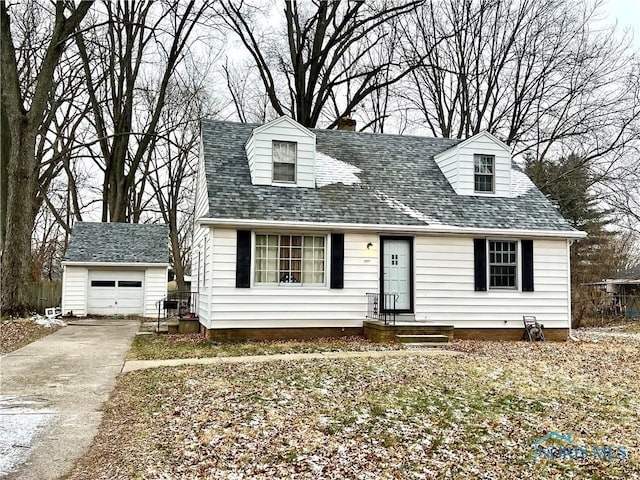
x,y
397,267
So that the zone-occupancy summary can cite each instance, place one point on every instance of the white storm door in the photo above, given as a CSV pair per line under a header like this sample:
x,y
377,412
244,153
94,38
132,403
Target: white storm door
x,y
396,272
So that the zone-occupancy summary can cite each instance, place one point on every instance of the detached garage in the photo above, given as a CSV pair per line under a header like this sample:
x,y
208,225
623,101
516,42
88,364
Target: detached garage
x,y
115,269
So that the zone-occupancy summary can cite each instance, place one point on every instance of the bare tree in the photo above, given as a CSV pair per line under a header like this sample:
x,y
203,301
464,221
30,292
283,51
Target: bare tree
x,y
620,189
389,42
172,163
115,58
250,102
324,47
27,90
48,247
172,181
534,72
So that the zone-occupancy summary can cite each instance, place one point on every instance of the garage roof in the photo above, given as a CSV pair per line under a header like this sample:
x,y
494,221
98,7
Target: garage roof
x,y
93,242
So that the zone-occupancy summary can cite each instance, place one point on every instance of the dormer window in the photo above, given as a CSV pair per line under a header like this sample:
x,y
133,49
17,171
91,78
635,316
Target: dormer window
x,y
282,153
483,167
284,161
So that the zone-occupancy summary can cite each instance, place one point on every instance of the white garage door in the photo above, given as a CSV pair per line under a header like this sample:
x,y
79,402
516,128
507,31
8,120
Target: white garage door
x,y
113,292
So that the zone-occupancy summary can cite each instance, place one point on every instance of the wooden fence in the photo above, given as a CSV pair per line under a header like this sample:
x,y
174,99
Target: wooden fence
x,y
45,294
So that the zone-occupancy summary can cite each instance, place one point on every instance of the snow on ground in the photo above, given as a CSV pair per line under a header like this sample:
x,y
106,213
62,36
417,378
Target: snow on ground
x,y
47,322
19,424
330,170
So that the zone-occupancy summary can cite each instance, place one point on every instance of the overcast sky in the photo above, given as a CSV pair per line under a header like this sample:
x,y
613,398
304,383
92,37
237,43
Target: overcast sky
x,y
628,14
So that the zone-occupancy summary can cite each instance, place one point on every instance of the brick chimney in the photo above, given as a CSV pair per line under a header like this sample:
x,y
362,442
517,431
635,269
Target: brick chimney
x,y
347,123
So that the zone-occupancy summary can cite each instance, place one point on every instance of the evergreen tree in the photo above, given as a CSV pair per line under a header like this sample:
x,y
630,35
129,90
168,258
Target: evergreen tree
x,y
569,183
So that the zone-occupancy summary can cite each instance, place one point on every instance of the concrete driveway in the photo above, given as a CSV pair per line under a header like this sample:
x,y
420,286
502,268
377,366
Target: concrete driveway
x,y
51,396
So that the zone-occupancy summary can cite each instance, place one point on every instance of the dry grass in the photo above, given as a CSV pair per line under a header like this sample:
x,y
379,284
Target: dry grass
x,y
632,326
16,333
472,416
161,347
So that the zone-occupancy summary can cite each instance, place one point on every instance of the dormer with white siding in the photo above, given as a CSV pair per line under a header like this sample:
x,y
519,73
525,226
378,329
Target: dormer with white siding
x,y
481,166
282,153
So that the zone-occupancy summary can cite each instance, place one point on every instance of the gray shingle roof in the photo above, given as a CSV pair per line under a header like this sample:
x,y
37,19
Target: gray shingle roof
x,y
118,242
630,274
400,184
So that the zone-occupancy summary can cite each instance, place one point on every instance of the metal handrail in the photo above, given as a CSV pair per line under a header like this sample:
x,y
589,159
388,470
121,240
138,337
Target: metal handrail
x,y
385,310
179,303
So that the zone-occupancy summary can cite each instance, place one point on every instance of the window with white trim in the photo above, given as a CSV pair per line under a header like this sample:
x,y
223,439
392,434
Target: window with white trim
x,y
503,264
290,259
284,161
483,169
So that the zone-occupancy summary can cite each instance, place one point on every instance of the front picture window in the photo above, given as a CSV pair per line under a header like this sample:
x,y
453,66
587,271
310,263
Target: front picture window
x,y
290,259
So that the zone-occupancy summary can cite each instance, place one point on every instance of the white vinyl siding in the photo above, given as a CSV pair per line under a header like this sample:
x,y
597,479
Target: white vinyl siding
x,y
74,290
155,281
448,163
274,306
201,269
445,287
259,150
202,195
199,234
458,165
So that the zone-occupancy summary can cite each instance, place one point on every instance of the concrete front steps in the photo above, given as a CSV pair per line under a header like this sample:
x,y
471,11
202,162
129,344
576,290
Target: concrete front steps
x,y
412,332
173,325
423,340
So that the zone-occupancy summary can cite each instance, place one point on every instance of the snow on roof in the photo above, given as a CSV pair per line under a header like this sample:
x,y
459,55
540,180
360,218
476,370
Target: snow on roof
x,y
330,170
520,183
406,209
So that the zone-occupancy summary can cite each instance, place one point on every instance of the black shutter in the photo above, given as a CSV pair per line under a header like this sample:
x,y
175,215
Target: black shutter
x,y
527,265
337,260
480,264
243,259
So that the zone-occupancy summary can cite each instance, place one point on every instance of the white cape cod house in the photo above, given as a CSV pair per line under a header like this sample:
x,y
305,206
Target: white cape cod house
x,y
294,227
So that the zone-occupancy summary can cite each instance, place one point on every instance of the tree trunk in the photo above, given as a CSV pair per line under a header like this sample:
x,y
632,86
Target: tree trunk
x,y
178,269
22,164
21,191
5,146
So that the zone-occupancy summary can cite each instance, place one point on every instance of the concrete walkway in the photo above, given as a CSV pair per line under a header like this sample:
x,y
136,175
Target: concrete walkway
x,y
51,396
133,365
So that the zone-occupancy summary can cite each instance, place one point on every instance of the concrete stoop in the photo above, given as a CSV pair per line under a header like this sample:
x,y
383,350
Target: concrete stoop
x,y
422,333
176,325
422,340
